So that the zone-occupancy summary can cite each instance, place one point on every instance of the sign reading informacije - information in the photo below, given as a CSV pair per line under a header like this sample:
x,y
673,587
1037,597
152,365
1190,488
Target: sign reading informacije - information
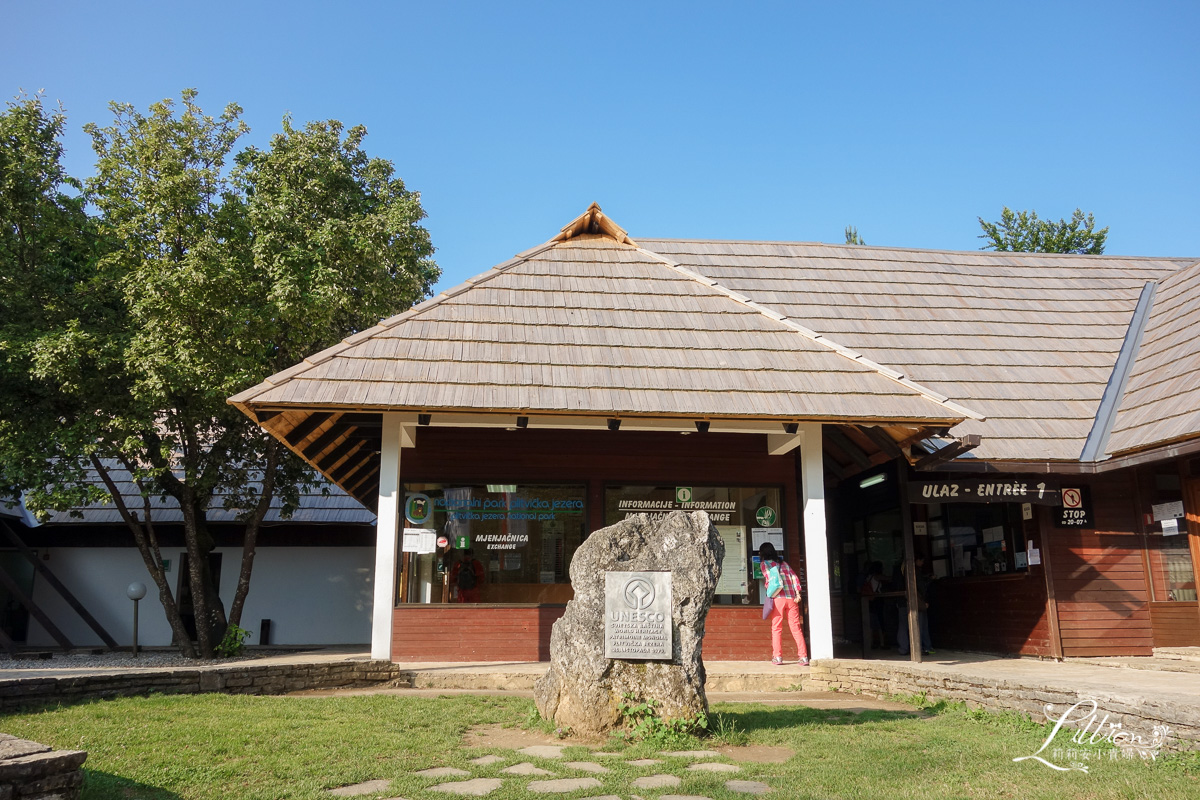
x,y
637,615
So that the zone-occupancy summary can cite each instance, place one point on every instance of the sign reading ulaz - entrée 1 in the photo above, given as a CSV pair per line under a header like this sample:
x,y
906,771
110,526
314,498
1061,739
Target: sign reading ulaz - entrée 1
x,y
992,489
637,615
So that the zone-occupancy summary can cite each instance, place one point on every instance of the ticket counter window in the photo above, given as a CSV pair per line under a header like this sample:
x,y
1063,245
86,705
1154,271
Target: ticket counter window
x,y
743,516
521,539
969,539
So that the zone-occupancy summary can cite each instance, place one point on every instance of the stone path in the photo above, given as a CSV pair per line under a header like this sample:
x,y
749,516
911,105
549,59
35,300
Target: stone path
x,y
551,782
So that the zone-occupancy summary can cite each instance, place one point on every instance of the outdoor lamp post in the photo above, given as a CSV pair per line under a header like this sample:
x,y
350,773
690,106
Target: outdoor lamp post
x,y
135,592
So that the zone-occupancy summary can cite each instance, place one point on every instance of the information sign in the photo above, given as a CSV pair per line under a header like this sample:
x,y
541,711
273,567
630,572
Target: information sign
x,y
733,567
419,540
1076,508
992,489
637,615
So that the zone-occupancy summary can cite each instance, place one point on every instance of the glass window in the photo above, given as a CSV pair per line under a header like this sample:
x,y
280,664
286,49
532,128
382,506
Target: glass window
x,y
975,539
516,541
744,516
1171,574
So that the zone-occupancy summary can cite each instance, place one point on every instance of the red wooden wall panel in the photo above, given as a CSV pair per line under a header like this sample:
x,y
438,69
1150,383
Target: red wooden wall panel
x,y
1099,575
479,633
1006,614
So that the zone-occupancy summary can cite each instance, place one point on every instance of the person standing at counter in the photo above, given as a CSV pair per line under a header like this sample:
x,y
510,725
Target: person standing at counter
x,y
783,589
467,577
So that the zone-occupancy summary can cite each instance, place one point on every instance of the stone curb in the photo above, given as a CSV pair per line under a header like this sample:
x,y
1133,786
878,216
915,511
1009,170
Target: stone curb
x,y
239,678
1132,709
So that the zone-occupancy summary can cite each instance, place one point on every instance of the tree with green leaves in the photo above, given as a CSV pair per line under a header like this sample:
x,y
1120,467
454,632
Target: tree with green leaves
x,y
212,269
1022,231
852,236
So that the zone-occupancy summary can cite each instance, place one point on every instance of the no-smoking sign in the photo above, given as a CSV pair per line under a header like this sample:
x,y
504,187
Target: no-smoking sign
x,y
1072,498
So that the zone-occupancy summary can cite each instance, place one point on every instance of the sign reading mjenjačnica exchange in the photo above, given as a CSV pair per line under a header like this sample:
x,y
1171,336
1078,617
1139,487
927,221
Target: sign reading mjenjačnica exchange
x,y
637,615
992,489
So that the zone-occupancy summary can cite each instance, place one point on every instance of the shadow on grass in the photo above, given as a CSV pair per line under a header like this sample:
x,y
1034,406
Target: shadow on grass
x,y
106,786
775,718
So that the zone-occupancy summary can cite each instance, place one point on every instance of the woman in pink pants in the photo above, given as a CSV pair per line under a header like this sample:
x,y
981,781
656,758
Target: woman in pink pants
x,y
783,580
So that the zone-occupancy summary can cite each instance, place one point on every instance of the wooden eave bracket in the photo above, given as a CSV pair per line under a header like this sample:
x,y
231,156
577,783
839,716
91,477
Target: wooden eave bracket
x,y
951,451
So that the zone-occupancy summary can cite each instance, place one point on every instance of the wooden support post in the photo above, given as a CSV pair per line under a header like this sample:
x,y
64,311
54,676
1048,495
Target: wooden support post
x,y
910,567
37,613
58,586
1055,630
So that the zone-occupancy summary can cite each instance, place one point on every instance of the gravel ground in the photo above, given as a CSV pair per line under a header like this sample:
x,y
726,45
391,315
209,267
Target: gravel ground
x,y
117,660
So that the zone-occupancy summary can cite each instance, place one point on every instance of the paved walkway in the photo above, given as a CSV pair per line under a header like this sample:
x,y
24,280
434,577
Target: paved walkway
x,y
542,769
1172,681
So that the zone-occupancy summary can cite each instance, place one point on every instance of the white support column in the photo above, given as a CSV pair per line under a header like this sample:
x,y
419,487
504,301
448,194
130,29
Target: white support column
x,y
816,549
387,536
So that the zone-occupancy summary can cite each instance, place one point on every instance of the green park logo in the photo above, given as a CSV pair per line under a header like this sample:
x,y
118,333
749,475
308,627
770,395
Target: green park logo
x,y
417,508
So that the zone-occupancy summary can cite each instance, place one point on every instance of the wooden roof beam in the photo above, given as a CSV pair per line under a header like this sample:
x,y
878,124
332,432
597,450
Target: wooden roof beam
x,y
338,453
843,443
881,439
351,465
322,442
302,431
949,452
365,471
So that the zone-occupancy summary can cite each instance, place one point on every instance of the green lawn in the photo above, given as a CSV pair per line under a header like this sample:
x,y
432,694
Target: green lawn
x,y
217,746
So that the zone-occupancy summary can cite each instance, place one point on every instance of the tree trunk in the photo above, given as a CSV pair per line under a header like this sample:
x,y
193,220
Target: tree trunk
x,y
199,575
147,544
253,525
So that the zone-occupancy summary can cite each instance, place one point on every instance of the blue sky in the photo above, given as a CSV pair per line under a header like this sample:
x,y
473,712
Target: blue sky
x,y
782,121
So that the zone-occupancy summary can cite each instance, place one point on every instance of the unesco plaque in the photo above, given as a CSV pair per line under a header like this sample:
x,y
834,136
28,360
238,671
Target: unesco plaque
x,y
637,615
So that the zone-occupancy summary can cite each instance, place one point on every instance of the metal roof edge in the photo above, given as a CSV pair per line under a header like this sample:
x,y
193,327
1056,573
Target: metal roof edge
x,y
1161,451
846,352
1118,380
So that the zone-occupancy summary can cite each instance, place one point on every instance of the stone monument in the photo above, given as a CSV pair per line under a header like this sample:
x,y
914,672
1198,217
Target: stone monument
x,y
661,576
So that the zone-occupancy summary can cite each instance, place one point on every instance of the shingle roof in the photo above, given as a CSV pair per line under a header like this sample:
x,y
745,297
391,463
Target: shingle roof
x,y
1027,339
1020,345
594,326
322,504
1162,400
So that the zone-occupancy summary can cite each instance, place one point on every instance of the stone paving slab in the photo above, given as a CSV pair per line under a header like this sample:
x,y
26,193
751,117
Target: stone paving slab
x,y
484,761
692,754
586,766
711,766
644,762
476,787
525,768
442,772
661,781
542,751
563,785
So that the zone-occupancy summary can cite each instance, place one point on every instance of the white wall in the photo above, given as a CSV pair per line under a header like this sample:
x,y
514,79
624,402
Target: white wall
x,y
312,595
